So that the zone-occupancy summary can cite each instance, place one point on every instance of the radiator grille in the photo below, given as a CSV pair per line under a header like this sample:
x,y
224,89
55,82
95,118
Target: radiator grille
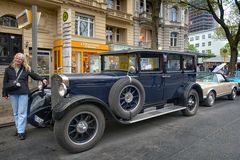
x,y
56,81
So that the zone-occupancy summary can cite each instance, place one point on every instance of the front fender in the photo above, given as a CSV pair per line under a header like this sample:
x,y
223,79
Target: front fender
x,y
68,103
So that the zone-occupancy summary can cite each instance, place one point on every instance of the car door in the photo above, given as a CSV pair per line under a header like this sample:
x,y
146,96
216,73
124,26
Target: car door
x,y
173,77
150,75
224,86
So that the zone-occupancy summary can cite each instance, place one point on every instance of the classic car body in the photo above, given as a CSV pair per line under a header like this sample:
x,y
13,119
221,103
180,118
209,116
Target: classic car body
x,y
215,85
132,86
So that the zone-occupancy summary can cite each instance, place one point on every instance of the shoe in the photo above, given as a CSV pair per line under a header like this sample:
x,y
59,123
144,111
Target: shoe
x,y
21,136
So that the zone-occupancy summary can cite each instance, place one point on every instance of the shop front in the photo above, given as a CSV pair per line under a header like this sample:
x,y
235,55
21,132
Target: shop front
x,y
83,54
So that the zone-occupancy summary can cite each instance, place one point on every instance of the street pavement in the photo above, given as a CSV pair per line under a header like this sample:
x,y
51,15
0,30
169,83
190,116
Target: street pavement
x,y
212,134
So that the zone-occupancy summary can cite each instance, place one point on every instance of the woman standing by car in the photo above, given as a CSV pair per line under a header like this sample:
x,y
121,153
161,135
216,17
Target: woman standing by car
x,y
15,86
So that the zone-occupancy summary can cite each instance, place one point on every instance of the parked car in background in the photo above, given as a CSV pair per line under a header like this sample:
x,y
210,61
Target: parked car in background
x,y
133,85
235,78
215,85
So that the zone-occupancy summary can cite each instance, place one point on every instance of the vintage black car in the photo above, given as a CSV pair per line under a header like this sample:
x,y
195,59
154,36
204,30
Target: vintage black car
x,y
131,86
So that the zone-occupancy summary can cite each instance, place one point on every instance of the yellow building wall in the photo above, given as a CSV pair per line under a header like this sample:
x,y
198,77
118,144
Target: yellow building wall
x,y
46,28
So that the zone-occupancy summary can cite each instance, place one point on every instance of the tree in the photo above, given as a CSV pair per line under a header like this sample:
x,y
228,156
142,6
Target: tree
x,y
155,22
227,47
214,6
192,48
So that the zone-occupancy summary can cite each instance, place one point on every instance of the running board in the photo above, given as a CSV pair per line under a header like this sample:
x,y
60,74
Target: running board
x,y
155,113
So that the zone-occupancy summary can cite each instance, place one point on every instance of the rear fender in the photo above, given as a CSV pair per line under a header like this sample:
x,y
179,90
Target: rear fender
x,y
185,89
71,102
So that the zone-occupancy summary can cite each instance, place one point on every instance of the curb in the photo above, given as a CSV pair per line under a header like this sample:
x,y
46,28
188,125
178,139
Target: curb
x,y
9,124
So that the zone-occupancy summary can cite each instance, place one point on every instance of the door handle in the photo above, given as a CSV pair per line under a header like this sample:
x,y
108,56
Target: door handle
x,y
166,76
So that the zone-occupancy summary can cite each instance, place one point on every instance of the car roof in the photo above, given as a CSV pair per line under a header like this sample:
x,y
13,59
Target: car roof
x,y
144,51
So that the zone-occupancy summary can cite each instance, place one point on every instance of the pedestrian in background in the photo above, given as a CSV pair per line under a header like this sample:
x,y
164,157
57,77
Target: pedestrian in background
x,y
15,87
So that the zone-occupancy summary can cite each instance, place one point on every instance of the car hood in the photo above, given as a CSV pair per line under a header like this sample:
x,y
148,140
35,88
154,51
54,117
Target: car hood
x,y
96,76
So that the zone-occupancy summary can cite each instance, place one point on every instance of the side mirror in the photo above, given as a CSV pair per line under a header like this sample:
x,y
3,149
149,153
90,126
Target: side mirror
x,y
132,69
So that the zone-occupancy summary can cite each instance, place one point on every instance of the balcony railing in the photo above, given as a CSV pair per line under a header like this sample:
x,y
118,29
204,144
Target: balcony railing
x,y
146,15
146,44
119,14
94,3
87,2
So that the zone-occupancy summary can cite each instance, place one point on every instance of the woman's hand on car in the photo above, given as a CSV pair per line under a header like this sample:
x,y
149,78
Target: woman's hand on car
x,y
45,82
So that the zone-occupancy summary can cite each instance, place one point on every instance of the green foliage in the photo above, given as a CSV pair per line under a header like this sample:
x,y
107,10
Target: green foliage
x,y
220,33
192,48
227,47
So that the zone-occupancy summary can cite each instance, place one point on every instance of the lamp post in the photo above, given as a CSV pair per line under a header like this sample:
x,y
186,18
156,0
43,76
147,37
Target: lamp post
x,y
34,41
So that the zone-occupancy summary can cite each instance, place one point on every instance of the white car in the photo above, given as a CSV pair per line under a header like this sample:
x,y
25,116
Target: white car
x,y
215,85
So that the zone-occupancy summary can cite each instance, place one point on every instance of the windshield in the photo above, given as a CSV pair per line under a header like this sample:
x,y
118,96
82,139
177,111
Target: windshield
x,y
206,77
118,62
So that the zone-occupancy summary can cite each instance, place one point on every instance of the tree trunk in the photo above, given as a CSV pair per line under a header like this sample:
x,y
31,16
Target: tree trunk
x,y
233,59
155,23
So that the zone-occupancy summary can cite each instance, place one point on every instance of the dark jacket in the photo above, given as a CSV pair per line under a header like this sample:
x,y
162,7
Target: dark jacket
x,y
10,76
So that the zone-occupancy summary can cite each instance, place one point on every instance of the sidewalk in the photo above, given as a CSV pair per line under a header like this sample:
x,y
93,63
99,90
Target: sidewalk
x,y
5,112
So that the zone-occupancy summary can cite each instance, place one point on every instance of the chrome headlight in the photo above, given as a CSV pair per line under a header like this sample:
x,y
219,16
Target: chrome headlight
x,y
62,90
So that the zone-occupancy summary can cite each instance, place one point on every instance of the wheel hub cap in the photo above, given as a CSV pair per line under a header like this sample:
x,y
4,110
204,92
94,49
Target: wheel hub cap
x,y
191,102
82,127
211,98
128,97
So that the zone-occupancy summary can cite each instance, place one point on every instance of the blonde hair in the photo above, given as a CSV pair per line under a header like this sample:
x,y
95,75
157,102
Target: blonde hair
x,y
24,63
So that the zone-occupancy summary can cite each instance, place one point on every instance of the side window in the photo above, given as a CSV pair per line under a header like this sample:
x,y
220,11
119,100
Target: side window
x,y
220,78
173,63
188,63
149,64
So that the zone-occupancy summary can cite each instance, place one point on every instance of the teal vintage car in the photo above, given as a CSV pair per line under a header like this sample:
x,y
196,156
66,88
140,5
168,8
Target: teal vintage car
x,y
236,78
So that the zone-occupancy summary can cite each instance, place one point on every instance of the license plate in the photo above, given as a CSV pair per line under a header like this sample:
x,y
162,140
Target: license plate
x,y
38,119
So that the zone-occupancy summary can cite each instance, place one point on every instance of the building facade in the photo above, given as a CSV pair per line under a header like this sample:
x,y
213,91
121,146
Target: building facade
x,y
173,28
206,42
200,20
93,26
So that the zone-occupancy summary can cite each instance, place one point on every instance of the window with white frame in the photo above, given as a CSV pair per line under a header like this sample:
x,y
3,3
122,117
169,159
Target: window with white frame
x,y
84,25
118,6
110,4
8,21
203,44
114,34
173,14
137,5
118,35
209,43
209,35
109,34
191,38
197,37
203,36
197,45
141,6
173,39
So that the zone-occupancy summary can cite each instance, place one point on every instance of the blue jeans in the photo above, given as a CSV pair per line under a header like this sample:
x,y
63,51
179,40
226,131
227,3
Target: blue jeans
x,y
19,105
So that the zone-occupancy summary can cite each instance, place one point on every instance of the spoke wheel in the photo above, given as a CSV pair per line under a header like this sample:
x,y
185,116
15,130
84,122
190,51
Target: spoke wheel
x,y
126,98
191,103
83,127
80,128
129,98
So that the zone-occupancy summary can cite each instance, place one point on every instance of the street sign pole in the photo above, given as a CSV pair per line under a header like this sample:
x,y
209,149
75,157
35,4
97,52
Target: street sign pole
x,y
34,41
